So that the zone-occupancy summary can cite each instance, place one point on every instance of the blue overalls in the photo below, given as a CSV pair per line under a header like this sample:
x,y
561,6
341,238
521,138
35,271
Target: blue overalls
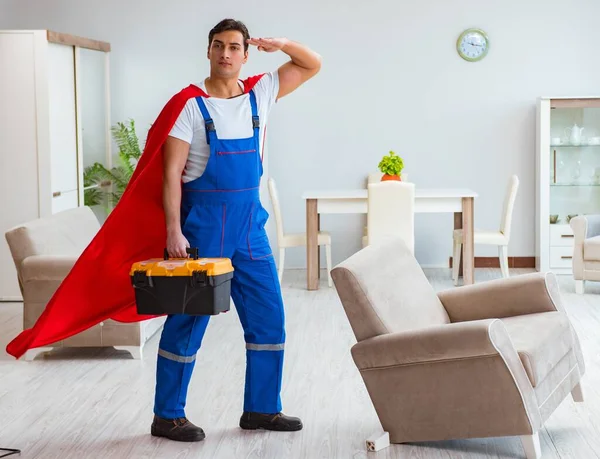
x,y
222,215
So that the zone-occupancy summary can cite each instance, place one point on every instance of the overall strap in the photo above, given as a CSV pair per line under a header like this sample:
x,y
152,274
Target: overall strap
x,y
255,118
209,124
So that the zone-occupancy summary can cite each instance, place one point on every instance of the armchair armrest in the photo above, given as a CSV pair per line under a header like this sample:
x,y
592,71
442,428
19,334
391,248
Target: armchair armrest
x,y
46,267
584,227
41,276
431,344
580,228
498,298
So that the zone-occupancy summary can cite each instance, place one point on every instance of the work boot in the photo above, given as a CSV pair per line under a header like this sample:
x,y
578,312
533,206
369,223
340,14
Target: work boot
x,y
179,429
277,421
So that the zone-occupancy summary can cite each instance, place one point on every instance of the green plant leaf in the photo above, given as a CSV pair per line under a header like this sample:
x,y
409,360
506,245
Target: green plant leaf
x,y
95,174
127,140
391,164
93,197
112,183
120,177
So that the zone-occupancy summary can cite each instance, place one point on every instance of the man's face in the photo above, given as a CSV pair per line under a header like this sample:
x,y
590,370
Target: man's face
x,y
226,53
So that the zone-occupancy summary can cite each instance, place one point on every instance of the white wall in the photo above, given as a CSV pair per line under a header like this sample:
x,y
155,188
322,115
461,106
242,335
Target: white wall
x,y
391,79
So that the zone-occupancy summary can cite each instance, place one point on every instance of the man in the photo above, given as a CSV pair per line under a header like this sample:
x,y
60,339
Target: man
x,y
215,149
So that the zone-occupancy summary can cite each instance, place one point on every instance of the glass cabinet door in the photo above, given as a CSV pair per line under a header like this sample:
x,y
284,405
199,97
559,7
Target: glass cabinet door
x,y
574,160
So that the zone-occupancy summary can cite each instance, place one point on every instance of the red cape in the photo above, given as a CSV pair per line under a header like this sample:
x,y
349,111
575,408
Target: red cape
x,y
98,287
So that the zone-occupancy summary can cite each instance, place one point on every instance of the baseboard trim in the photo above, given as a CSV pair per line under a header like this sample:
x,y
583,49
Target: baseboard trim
x,y
11,299
494,262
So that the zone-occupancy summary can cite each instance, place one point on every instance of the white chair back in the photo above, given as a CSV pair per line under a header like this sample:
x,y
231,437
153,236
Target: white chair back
x,y
509,204
276,207
391,210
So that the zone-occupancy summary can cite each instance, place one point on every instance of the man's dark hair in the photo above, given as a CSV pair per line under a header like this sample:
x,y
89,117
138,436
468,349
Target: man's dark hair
x,y
229,24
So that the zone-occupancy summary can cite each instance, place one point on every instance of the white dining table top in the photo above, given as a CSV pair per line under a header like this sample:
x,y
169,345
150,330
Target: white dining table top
x,y
361,193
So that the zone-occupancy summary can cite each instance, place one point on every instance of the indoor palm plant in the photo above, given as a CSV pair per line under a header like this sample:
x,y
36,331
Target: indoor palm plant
x,y
391,166
112,183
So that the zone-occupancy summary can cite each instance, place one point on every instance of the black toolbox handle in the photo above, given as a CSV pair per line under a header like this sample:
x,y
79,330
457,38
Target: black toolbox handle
x,y
193,251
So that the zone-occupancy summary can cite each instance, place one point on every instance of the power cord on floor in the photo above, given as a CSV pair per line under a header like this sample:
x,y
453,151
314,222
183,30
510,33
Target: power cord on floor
x,y
10,452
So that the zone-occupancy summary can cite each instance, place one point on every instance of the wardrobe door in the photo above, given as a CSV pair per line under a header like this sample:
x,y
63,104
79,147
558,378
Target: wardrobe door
x,y
63,127
18,155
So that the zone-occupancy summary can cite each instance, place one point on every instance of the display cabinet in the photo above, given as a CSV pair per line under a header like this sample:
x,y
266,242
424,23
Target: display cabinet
x,y
568,175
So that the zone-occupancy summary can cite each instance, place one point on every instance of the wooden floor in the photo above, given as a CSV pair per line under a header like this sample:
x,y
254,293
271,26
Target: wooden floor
x,y
97,403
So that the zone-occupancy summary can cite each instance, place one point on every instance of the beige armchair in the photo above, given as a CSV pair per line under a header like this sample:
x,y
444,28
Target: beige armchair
x,y
485,360
586,250
44,251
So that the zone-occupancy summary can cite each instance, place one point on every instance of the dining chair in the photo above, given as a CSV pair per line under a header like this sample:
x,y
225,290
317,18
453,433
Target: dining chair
x,y
390,212
286,241
500,237
375,177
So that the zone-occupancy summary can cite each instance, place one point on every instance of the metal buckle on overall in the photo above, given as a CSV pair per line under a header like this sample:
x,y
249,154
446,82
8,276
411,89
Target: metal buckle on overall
x,y
210,125
255,122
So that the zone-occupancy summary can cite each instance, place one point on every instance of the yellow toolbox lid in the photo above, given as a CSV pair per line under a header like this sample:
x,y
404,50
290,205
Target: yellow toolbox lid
x,y
183,266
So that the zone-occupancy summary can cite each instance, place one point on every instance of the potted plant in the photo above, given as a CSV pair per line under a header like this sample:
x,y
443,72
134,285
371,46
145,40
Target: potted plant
x,y
112,183
391,166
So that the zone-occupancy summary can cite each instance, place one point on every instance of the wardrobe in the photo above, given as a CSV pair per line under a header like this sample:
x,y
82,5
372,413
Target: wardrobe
x,y
54,122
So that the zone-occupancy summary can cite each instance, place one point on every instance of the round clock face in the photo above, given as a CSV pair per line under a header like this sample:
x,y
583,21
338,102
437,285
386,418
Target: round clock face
x,y
472,45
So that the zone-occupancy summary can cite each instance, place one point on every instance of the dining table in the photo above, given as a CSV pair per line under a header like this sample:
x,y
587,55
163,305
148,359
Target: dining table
x,y
457,201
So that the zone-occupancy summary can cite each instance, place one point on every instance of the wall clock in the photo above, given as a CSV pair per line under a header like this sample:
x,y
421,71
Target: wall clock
x,y
473,45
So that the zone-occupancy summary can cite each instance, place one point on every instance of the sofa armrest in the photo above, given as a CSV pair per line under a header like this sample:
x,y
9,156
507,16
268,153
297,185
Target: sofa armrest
x,y
498,298
431,344
46,267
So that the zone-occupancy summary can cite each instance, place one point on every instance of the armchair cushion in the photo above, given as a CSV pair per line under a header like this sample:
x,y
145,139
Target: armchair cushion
x,y
65,233
541,340
384,290
591,248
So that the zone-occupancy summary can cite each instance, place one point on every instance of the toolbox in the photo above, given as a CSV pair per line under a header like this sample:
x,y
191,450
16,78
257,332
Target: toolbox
x,y
192,286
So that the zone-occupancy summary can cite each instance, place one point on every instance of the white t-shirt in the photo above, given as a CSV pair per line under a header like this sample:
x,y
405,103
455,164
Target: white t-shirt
x,y
232,118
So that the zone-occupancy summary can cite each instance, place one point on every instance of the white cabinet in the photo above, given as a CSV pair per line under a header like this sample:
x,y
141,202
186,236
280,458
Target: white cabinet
x,y
54,121
568,175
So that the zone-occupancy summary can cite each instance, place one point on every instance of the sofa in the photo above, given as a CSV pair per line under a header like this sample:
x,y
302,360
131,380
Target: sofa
x,y
44,251
586,250
486,360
